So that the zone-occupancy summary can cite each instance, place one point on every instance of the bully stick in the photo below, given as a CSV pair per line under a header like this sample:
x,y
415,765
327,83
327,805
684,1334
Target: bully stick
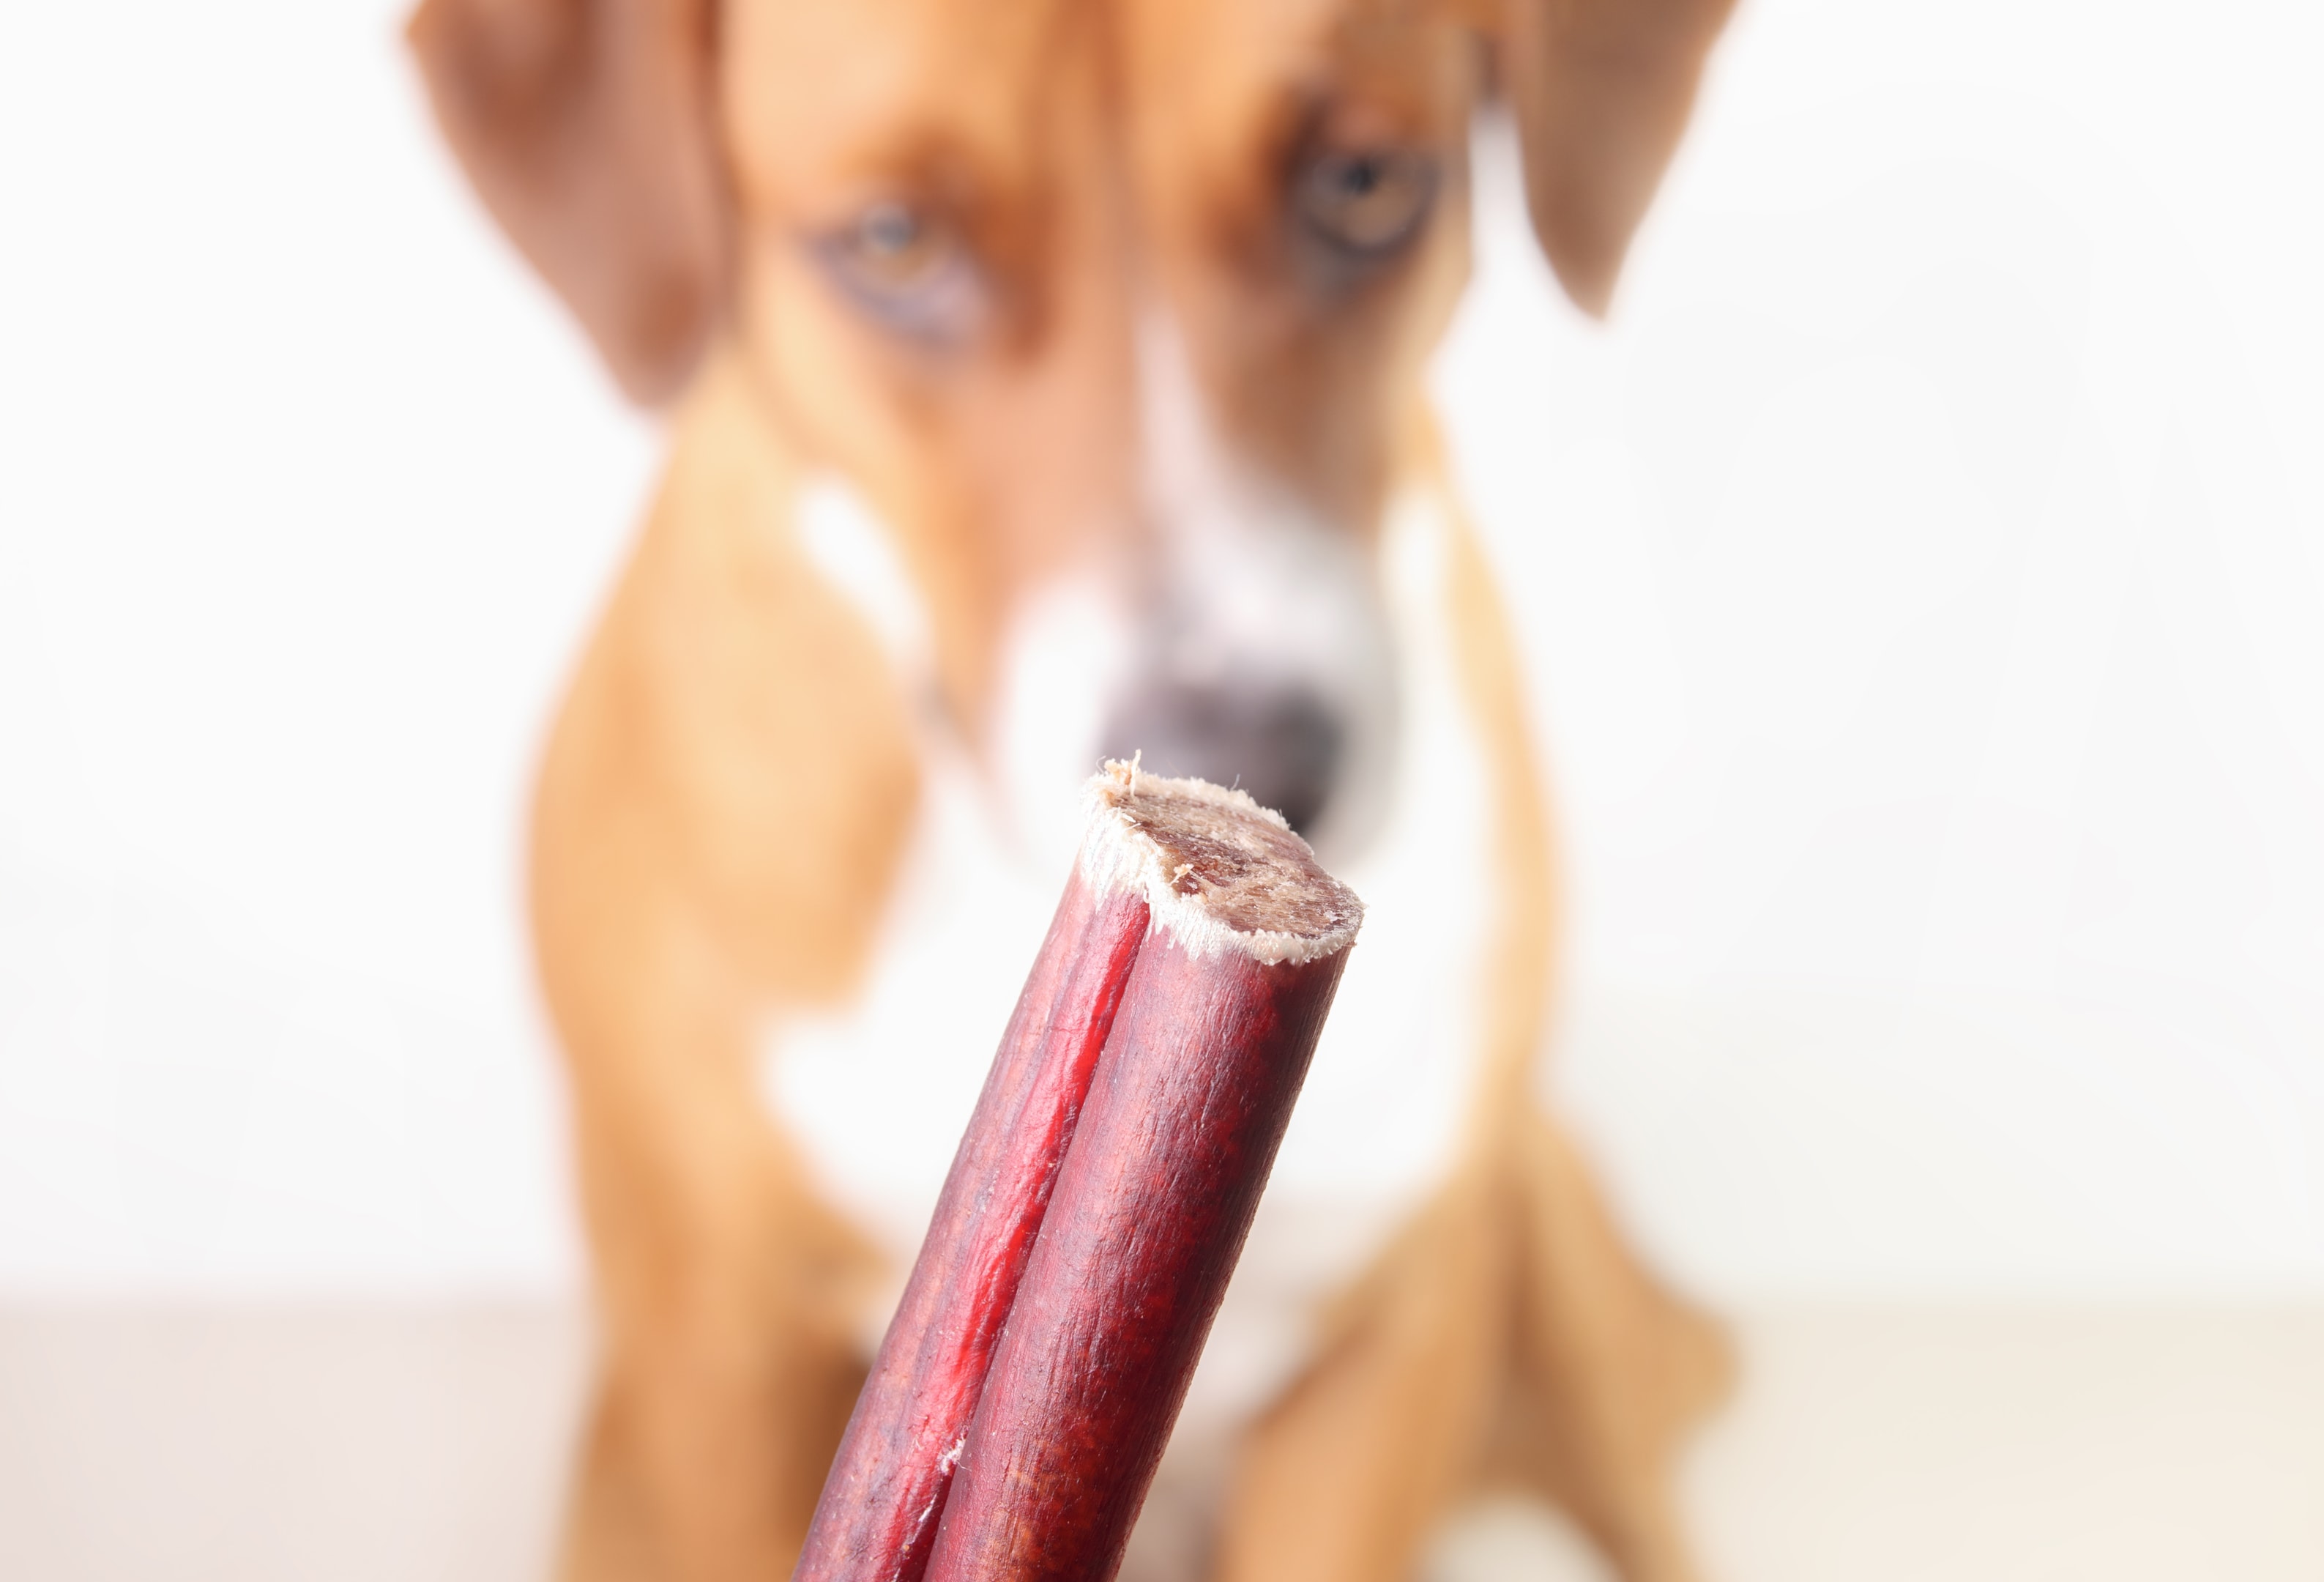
x,y
1101,1196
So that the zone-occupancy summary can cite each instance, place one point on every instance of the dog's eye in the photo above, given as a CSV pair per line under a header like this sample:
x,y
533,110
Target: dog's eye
x,y
894,248
907,268
1368,202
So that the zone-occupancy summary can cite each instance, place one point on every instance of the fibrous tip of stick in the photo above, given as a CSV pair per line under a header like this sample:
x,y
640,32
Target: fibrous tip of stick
x,y
1220,873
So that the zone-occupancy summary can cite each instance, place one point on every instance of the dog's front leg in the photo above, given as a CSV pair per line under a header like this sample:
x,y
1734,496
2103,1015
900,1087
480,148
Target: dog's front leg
x,y
1609,1370
721,812
1508,1341
1343,1479
728,1358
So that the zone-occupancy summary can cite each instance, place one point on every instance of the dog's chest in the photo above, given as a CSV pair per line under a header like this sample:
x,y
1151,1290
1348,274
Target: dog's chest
x,y
877,1094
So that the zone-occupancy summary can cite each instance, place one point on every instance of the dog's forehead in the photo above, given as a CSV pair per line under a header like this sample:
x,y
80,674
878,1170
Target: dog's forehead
x,y
819,91
825,93
1194,54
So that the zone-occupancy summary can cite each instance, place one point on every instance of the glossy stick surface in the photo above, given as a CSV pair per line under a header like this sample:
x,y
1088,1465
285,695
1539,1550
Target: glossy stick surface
x,y
1147,1222
887,1484
1099,1200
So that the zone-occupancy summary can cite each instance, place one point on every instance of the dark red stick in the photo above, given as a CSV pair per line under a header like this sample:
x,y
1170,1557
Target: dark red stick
x,y
886,1485
1147,1222
1029,1381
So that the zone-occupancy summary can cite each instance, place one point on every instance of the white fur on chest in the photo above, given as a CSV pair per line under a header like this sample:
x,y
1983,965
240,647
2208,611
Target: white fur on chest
x,y
878,1095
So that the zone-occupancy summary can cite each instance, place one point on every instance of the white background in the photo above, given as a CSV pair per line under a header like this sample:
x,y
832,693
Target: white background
x,y
1923,579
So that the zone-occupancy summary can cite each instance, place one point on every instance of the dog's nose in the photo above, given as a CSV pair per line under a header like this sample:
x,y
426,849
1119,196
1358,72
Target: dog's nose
x,y
1284,744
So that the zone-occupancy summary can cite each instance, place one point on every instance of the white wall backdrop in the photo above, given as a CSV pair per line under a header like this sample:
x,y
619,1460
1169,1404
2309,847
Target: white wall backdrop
x,y
1923,579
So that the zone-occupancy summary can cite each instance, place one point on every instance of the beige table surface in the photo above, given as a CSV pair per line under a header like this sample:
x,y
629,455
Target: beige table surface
x,y
1898,1443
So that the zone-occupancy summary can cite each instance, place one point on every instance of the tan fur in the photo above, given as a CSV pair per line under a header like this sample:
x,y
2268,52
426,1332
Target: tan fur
x,y
726,794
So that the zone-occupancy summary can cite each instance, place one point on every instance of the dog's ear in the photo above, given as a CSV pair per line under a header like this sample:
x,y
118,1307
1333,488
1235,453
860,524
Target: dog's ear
x,y
588,127
1600,90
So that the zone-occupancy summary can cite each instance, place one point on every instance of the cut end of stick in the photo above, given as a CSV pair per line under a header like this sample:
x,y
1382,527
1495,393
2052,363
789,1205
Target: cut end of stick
x,y
1221,875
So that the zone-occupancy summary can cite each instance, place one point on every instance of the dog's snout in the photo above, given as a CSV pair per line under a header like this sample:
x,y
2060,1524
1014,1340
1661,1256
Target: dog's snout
x,y
1285,743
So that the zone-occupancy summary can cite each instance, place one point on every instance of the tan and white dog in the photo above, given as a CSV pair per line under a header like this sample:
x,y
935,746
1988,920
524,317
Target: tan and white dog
x,y
1046,381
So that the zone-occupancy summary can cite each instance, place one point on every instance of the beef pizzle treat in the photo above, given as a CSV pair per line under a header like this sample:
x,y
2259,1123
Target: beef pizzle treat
x,y
1100,1198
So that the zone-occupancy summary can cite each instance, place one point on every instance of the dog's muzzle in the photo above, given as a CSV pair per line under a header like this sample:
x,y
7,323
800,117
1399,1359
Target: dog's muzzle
x,y
1283,743
1266,662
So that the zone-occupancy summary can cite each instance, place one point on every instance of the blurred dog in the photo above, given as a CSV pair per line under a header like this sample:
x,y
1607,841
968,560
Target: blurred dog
x,y
1046,381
